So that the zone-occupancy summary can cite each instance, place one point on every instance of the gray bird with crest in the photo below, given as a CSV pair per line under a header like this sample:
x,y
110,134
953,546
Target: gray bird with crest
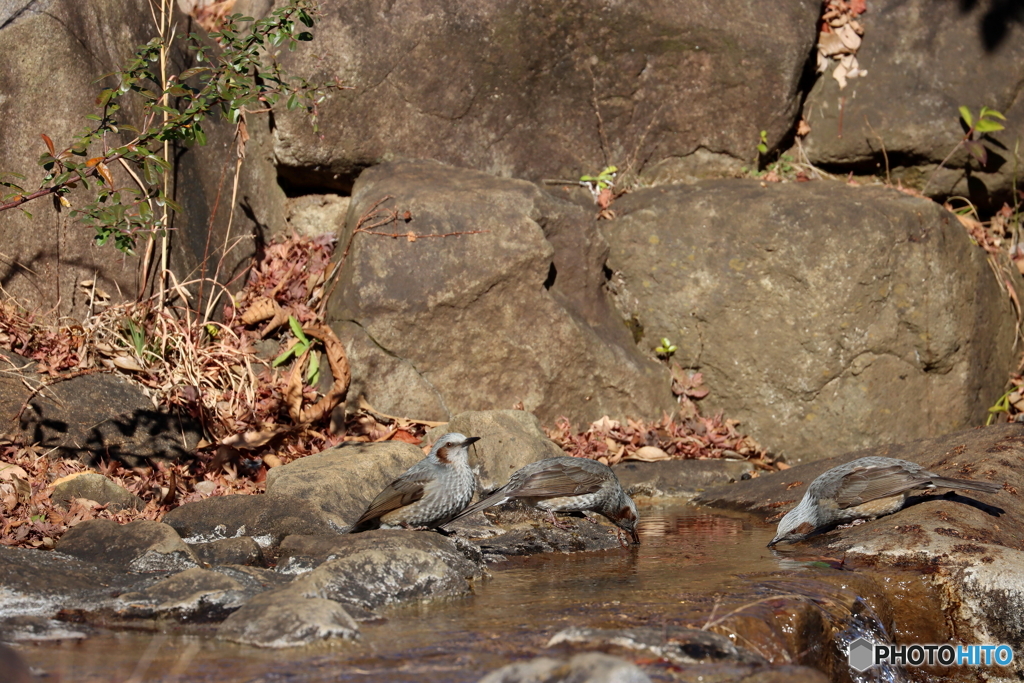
x,y
428,494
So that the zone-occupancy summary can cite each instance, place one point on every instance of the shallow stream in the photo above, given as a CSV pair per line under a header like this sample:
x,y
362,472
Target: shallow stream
x,y
688,556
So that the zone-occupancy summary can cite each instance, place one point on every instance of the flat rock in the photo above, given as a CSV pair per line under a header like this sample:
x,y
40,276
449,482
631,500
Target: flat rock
x,y
679,646
509,439
98,416
378,568
678,478
243,550
95,487
807,297
265,518
516,529
40,583
287,618
590,667
139,546
509,308
194,595
340,482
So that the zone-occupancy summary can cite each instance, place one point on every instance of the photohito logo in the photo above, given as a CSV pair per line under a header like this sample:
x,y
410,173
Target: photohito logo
x,y
864,654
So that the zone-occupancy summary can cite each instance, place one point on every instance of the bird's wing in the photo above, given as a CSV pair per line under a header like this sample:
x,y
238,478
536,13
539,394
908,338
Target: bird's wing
x,y
403,491
560,479
864,484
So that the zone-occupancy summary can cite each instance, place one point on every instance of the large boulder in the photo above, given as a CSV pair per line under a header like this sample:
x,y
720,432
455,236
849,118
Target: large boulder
x,y
489,319
341,482
825,317
548,88
924,60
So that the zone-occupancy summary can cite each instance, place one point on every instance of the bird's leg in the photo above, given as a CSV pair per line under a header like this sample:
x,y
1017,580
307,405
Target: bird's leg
x,y
856,522
555,523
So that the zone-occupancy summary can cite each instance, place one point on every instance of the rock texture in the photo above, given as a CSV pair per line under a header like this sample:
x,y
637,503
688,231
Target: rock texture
x,y
591,667
139,546
970,546
97,488
342,481
92,417
267,519
818,312
924,60
548,88
482,321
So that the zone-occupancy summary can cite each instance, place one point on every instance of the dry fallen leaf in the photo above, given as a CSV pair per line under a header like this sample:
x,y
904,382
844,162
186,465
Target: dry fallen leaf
x,y
648,454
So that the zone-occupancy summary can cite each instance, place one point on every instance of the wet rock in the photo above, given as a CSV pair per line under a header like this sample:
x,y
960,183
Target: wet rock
x,y
38,583
837,346
524,292
342,481
509,439
97,416
265,518
591,667
12,667
242,550
677,478
287,618
95,487
378,568
680,646
979,50
194,595
967,545
521,530
139,546
546,88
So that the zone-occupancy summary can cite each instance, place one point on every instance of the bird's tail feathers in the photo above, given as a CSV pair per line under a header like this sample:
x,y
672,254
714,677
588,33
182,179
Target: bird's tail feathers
x,y
968,484
495,498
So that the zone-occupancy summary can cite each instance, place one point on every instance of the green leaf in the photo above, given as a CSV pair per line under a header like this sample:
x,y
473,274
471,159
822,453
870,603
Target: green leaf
x,y
762,148
965,114
988,126
986,112
297,329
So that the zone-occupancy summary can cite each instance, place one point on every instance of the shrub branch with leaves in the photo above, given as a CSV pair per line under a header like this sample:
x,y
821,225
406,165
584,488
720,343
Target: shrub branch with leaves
x,y
243,75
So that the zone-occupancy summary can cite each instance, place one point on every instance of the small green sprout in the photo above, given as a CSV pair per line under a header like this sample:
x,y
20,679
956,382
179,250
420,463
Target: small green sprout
x,y
667,348
602,181
762,146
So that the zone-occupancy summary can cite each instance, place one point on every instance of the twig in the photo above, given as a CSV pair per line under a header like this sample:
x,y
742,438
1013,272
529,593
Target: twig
x,y
888,180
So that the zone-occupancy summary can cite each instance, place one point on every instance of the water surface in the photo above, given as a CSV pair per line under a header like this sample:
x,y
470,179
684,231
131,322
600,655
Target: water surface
x,y
687,556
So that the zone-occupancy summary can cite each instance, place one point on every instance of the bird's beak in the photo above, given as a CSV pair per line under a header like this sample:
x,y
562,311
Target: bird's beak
x,y
773,542
470,440
635,536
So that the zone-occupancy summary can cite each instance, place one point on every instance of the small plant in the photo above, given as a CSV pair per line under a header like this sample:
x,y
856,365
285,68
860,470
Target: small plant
x,y
605,180
666,349
977,127
985,123
762,145
298,349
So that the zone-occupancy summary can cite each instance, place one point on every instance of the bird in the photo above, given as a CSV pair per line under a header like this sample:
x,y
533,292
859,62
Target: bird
x,y
566,484
865,489
429,493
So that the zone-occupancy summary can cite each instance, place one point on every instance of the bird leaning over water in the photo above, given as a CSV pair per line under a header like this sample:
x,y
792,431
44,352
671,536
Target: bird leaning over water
x,y
567,484
427,494
863,489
